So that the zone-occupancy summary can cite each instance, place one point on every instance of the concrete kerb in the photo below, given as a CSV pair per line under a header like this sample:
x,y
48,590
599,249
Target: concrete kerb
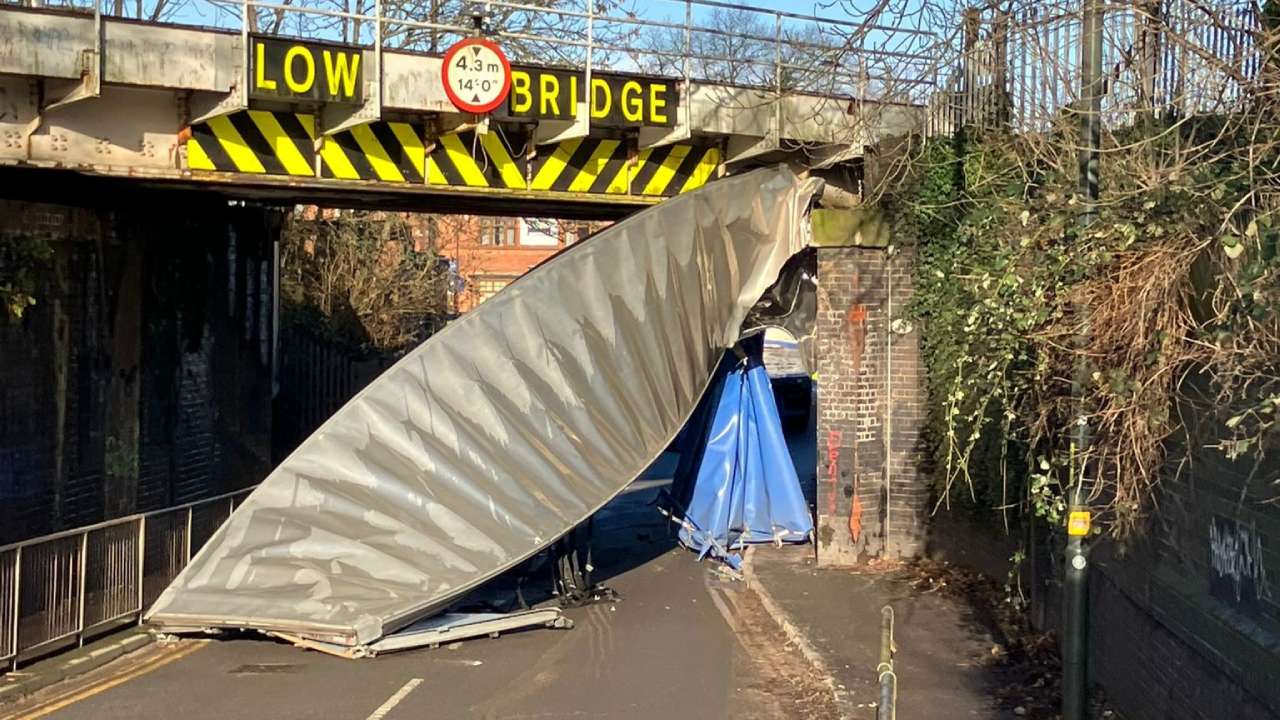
x,y
29,680
795,636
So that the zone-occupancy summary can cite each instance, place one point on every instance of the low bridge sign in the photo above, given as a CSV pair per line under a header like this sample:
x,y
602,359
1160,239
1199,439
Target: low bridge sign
x,y
616,100
476,75
294,70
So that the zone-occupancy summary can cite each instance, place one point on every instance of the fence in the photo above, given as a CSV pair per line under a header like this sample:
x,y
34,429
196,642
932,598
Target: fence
x,y
61,588
317,376
1020,64
878,56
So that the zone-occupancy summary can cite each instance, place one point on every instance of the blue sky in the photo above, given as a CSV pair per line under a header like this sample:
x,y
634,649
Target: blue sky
x,y
223,13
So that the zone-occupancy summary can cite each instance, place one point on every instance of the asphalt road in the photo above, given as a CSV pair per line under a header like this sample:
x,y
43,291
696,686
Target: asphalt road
x,y
668,648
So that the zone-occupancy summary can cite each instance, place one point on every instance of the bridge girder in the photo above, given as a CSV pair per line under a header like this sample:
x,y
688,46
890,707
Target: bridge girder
x,y
118,99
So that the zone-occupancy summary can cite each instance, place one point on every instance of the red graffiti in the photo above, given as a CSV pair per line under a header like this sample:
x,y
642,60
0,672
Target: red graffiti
x,y
833,476
833,469
855,322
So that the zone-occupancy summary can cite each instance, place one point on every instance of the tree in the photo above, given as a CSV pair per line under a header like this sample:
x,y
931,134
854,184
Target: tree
x,y
543,31
1170,300
362,277
547,31
737,47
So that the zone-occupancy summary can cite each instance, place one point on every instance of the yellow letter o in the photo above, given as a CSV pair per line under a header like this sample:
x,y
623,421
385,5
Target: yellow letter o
x,y
294,85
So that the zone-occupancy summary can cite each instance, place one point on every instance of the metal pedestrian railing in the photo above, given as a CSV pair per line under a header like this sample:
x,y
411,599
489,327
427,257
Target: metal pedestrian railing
x,y
59,589
886,708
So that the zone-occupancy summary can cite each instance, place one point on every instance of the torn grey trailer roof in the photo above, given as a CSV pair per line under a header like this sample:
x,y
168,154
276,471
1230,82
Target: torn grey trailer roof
x,y
502,432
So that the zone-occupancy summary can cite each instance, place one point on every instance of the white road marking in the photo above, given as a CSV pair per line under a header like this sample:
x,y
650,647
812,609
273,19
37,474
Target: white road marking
x,y
725,612
394,700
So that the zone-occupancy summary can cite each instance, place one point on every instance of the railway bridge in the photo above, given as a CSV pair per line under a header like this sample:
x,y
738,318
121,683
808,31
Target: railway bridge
x,y
338,108
145,149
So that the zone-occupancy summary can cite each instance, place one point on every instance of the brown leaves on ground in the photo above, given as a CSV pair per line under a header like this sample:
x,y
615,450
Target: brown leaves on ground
x,y
1025,662
774,680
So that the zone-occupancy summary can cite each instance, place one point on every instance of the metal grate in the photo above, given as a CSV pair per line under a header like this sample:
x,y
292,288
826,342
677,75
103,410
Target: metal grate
x,y
205,521
164,552
112,580
51,574
264,669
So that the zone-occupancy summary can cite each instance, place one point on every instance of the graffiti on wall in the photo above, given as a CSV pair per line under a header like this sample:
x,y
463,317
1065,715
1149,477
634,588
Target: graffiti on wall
x,y
834,441
1237,573
833,469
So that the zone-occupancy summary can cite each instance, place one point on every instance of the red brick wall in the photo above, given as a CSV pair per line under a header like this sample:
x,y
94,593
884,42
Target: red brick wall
x,y
864,394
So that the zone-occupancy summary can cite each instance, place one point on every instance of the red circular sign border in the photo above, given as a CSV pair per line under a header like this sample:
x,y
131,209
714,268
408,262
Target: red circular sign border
x,y
506,76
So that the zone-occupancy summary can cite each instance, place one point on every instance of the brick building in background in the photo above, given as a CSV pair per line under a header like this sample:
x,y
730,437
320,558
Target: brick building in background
x,y
487,253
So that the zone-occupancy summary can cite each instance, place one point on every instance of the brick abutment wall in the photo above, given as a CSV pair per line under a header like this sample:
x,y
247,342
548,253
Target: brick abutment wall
x,y
1185,623
141,378
870,408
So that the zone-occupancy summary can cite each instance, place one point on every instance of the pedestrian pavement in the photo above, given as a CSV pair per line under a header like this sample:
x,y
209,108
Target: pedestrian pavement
x,y
31,679
943,651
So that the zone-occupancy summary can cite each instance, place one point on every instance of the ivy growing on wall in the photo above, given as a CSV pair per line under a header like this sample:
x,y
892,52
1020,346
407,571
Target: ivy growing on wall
x,y
22,259
1178,277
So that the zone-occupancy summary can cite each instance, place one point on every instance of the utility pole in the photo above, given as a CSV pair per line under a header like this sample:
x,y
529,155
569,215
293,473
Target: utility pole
x,y
1075,621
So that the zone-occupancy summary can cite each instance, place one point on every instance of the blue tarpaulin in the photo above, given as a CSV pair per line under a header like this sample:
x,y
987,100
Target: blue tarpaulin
x,y
745,489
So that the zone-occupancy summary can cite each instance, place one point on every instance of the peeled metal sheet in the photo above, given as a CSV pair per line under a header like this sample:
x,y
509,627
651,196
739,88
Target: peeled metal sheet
x,y
791,304
502,432
440,630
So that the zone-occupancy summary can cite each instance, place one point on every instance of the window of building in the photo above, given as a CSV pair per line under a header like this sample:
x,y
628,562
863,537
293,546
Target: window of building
x,y
539,232
487,287
500,232
572,232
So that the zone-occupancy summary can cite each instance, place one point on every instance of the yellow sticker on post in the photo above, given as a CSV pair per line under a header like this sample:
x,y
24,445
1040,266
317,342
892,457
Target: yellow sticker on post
x,y
1078,523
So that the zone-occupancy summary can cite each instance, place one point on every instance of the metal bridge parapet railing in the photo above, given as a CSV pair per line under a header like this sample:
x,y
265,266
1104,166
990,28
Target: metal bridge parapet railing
x,y
1017,64
58,589
878,56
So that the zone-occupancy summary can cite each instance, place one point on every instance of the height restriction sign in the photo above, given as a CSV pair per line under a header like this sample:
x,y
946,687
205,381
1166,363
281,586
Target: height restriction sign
x,y
477,75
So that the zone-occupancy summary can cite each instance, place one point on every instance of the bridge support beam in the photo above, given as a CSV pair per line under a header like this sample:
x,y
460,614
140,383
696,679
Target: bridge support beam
x,y
872,499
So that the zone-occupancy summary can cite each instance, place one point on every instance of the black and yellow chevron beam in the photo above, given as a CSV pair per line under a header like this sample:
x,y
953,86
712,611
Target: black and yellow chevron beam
x,y
673,169
282,143
582,165
601,166
387,151
254,141
467,160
